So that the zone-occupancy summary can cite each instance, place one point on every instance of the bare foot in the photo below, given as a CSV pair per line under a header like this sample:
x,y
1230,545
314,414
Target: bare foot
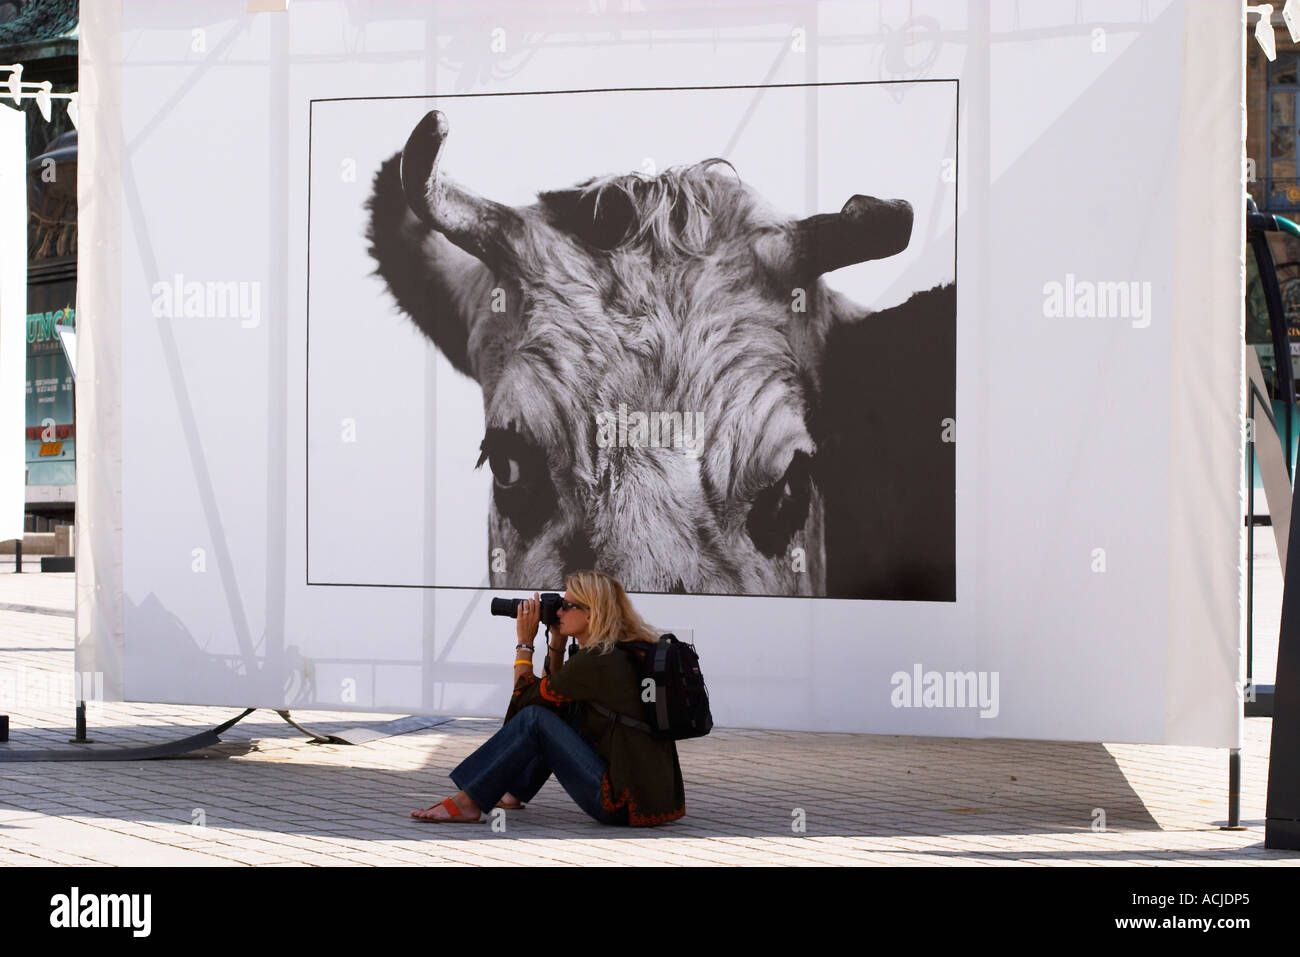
x,y
469,811
510,802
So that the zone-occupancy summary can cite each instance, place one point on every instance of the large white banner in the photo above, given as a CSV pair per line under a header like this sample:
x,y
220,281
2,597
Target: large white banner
x,y
893,351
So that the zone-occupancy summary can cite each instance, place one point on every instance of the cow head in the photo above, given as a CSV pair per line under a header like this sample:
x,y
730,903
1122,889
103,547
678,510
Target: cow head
x,y
649,352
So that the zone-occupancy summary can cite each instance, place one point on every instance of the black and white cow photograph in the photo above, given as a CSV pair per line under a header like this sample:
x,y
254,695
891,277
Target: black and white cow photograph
x,y
673,389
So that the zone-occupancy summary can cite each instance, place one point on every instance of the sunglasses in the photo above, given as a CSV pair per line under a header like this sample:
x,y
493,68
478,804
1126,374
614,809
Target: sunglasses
x,y
567,605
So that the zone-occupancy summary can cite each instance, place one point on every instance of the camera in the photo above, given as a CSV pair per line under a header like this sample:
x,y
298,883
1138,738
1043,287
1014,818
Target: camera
x,y
549,602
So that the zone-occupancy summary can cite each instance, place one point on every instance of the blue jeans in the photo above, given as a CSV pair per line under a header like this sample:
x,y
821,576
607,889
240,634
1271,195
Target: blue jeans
x,y
521,757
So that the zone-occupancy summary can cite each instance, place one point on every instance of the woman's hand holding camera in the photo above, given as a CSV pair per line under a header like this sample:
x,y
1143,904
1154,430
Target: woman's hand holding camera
x,y
528,618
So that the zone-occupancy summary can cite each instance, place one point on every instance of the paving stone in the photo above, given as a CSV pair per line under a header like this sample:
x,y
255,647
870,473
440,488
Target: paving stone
x,y
868,799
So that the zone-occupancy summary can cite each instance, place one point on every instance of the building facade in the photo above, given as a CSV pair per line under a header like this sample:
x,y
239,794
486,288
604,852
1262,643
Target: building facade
x,y
42,36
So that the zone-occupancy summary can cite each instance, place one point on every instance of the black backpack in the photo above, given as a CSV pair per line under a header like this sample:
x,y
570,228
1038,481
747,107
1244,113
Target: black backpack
x,y
674,699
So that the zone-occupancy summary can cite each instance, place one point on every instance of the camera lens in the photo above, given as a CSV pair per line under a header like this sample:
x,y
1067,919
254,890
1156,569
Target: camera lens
x,y
506,607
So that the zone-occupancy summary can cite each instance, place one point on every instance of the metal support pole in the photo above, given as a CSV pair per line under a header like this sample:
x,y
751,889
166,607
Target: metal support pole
x,y
1234,791
81,726
1257,702
1250,559
1282,811
18,556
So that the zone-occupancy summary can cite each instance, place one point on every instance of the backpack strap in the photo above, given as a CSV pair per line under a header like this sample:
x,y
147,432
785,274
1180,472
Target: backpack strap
x,y
661,648
656,658
632,648
620,718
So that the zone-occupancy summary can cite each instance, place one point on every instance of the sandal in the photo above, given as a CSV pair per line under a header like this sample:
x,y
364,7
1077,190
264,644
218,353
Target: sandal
x,y
457,815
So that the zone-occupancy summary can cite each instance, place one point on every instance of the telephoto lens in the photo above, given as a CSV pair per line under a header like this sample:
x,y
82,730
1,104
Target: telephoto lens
x,y
506,607
549,603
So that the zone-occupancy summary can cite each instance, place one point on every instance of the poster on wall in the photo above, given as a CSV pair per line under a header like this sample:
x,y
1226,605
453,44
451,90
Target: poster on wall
x,y
51,434
682,371
13,308
759,308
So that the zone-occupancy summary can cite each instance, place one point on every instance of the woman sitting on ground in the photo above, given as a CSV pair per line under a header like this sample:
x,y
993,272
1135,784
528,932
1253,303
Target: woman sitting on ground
x,y
617,773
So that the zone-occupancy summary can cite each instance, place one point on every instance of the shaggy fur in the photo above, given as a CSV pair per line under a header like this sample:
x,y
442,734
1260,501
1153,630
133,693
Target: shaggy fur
x,y
658,294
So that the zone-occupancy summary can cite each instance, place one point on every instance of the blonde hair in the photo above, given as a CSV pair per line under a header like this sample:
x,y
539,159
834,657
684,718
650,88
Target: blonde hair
x,y
610,615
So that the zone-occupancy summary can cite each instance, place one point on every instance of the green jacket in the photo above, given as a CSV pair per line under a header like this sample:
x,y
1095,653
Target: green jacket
x,y
642,785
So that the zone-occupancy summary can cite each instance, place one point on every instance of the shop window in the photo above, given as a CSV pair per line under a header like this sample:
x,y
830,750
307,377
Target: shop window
x,y
1283,119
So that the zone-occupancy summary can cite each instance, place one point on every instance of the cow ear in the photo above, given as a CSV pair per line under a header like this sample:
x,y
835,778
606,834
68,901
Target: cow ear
x,y
436,284
865,229
600,218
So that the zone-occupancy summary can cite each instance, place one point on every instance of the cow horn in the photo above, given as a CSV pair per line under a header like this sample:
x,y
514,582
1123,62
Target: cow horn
x,y
866,228
479,226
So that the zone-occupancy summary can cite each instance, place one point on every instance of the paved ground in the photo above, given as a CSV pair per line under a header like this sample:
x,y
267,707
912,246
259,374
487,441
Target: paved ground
x,y
267,796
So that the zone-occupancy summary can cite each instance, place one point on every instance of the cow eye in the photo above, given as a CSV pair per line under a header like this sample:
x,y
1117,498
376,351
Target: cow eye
x,y
781,509
521,479
515,460
505,470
